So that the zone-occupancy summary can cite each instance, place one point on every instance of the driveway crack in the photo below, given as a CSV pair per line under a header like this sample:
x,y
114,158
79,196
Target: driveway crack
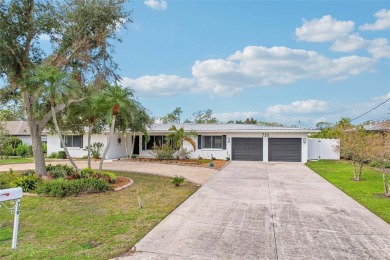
x,y
272,211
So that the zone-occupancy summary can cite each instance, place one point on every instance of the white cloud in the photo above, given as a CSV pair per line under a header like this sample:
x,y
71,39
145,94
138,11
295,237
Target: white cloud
x,y
300,107
156,4
161,85
350,43
379,48
254,66
382,22
325,29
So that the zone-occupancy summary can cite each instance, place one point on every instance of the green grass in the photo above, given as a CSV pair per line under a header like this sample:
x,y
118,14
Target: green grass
x,y
368,192
98,226
16,160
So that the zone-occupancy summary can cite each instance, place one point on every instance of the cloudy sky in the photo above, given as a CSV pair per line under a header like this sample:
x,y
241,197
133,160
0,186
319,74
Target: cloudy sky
x,y
279,61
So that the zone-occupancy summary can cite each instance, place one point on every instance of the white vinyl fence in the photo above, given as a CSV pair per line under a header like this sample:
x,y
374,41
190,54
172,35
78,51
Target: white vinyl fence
x,y
325,149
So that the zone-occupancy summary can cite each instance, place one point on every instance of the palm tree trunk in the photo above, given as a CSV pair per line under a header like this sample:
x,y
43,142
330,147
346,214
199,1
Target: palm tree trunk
x,y
108,143
126,148
89,145
132,145
62,139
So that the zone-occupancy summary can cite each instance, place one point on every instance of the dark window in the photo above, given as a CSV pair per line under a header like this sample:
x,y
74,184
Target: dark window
x,y
212,142
73,141
155,139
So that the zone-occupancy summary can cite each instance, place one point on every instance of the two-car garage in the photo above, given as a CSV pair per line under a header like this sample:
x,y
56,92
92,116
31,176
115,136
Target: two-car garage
x,y
279,149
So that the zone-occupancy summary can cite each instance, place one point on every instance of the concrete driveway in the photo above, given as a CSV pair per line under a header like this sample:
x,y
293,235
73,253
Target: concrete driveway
x,y
253,210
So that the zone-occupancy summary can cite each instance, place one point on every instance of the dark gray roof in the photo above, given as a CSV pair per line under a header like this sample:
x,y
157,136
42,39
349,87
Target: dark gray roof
x,y
227,128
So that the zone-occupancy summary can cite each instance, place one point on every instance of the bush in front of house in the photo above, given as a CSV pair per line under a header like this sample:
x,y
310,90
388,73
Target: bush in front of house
x,y
61,155
23,150
61,188
53,155
163,152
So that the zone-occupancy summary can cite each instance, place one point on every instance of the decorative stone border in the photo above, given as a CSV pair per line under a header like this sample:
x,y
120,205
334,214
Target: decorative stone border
x,y
126,185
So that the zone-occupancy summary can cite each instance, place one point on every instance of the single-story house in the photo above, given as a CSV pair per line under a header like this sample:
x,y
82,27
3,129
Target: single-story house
x,y
21,130
234,141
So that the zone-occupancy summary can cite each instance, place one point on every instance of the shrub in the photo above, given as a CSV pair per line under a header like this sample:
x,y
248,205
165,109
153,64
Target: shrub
x,y
87,173
109,177
163,152
61,155
27,182
96,147
13,141
61,171
177,180
61,188
53,155
22,150
202,161
7,179
27,173
7,151
44,147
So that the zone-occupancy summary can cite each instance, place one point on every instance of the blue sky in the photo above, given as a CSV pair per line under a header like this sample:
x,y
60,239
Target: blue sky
x,y
283,61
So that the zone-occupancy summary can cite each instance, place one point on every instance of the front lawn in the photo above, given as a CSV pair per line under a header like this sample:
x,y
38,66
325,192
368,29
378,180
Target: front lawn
x,y
368,192
16,160
97,226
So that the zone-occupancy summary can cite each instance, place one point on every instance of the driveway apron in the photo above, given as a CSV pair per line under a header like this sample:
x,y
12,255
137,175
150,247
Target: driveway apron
x,y
255,210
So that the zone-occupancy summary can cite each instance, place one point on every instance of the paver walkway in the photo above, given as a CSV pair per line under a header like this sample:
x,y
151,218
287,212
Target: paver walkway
x,y
253,210
198,175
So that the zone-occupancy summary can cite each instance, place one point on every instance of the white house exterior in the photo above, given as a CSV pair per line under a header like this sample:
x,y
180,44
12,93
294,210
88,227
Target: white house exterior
x,y
239,141
221,141
76,144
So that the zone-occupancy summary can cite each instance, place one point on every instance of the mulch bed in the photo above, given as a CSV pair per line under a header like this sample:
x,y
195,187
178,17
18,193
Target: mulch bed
x,y
218,164
121,182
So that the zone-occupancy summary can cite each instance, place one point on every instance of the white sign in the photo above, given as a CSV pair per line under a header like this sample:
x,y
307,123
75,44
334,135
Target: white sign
x,y
13,194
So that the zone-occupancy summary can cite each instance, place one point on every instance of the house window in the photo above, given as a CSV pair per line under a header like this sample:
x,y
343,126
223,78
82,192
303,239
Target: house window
x,y
155,139
212,142
73,141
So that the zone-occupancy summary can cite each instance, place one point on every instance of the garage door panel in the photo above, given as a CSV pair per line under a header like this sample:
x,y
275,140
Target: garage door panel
x,y
247,149
285,149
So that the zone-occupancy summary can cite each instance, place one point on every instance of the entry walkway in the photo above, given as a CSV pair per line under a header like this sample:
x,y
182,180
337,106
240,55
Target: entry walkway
x,y
253,210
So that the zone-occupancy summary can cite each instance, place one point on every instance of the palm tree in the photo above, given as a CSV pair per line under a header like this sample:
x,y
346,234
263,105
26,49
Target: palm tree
x,y
56,86
178,136
116,99
92,115
137,121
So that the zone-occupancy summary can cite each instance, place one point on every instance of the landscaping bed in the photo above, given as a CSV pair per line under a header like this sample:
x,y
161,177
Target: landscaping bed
x,y
368,192
217,164
97,226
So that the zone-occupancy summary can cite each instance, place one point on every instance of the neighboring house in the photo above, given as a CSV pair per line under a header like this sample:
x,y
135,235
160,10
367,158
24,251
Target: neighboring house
x,y
234,141
378,127
20,130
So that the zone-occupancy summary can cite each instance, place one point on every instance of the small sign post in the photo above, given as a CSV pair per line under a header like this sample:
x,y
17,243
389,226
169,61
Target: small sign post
x,y
13,194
